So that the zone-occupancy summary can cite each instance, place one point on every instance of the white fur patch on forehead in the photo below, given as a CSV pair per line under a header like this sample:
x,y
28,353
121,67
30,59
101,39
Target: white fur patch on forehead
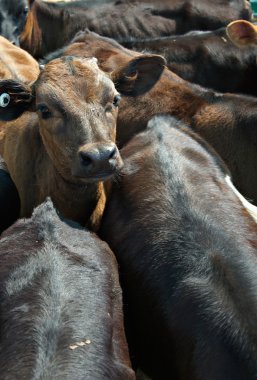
x,y
94,60
100,76
109,83
71,61
91,61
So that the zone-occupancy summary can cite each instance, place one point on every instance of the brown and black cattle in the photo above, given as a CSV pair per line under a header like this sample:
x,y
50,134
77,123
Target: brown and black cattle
x,y
206,58
227,121
187,253
16,63
9,198
63,143
61,304
120,19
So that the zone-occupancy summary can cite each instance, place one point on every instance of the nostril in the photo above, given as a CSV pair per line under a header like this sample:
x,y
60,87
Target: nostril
x,y
85,159
98,156
113,153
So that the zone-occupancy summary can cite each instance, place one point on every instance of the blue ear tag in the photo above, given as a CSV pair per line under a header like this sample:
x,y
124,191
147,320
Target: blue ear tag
x,y
4,99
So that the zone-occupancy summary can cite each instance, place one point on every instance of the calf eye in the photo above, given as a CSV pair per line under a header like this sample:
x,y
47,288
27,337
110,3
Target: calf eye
x,y
116,100
44,110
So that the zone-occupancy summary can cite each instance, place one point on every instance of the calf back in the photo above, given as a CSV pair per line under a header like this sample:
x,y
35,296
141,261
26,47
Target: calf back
x,y
61,306
136,19
187,255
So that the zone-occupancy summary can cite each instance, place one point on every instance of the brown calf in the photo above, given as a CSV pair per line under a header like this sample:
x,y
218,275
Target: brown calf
x,y
228,122
16,63
66,149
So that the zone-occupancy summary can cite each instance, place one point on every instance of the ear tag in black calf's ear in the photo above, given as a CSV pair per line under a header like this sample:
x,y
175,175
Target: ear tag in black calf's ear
x,y
4,99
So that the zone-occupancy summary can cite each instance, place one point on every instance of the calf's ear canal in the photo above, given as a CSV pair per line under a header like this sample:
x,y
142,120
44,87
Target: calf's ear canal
x,y
242,33
15,98
139,75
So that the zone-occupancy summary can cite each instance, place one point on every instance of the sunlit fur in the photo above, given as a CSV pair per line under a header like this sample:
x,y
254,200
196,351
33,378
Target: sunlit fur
x,y
61,307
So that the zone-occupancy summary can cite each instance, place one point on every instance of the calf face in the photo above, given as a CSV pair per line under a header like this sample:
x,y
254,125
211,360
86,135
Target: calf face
x,y
78,126
77,108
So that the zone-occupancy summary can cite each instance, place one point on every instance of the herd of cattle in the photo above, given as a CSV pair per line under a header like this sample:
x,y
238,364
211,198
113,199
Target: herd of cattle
x,y
127,131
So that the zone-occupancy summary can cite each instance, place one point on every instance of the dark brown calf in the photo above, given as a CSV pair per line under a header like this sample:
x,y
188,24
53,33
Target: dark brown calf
x,y
61,307
187,253
119,19
228,122
206,58
64,145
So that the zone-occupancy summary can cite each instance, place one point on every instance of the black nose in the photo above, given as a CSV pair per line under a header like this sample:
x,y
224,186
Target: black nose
x,y
98,155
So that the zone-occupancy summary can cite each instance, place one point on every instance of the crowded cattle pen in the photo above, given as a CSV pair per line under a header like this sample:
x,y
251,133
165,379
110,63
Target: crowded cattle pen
x,y
128,190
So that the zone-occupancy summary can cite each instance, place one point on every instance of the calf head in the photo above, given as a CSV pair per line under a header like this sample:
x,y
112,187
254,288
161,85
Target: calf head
x,y
13,16
242,33
77,107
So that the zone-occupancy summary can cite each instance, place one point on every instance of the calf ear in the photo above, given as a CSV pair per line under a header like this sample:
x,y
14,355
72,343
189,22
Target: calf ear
x,y
242,33
15,98
139,75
